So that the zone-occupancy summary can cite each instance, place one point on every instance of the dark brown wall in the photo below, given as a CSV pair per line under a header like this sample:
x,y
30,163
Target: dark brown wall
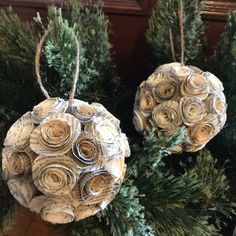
x,y
129,21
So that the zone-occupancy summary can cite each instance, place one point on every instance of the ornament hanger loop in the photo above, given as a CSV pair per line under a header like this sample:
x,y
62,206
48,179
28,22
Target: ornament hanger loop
x,y
37,66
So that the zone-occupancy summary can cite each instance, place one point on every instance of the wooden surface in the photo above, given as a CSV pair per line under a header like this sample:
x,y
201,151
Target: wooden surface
x,y
129,20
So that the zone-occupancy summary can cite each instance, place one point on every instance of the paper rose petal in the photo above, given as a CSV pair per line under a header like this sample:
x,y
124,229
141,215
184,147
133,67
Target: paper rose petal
x,y
82,111
23,189
58,210
55,175
192,110
195,86
16,163
83,212
48,107
55,135
167,115
18,135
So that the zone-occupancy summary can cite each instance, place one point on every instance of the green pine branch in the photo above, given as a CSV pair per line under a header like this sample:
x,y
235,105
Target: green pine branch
x,y
164,19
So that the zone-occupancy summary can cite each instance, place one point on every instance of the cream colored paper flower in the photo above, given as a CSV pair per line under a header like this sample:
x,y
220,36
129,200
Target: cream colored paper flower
x,y
167,115
145,101
15,163
216,103
18,136
23,189
204,130
96,187
83,111
55,135
181,72
48,107
192,110
56,175
195,85
87,152
166,89
214,83
58,210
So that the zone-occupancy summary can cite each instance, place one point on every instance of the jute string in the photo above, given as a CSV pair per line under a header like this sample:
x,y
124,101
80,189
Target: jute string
x,y
37,67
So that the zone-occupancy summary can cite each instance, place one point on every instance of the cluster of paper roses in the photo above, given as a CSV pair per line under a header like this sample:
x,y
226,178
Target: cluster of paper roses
x,y
65,162
175,96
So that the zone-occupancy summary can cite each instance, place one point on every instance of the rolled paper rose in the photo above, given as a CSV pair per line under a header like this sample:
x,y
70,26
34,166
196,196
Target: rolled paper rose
x,y
192,110
204,130
138,121
167,115
115,166
166,89
168,67
195,85
103,112
58,210
83,212
23,189
214,83
106,133
96,187
48,107
55,135
87,152
18,136
16,163
180,71
83,111
216,103
55,175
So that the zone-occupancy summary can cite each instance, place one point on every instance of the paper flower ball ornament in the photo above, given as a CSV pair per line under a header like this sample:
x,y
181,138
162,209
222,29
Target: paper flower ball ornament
x,y
65,162
176,96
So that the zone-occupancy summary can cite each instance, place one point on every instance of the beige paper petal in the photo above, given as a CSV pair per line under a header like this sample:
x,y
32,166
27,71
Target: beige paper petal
x,y
192,110
167,89
87,152
167,115
214,83
83,212
48,107
83,111
115,166
55,135
57,210
96,187
168,67
124,145
37,203
103,112
104,130
16,163
204,130
216,103
18,135
138,121
55,175
195,85
181,72
22,189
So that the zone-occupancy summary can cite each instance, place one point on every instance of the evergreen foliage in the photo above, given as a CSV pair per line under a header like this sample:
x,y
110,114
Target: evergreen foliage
x,y
164,18
155,199
223,64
